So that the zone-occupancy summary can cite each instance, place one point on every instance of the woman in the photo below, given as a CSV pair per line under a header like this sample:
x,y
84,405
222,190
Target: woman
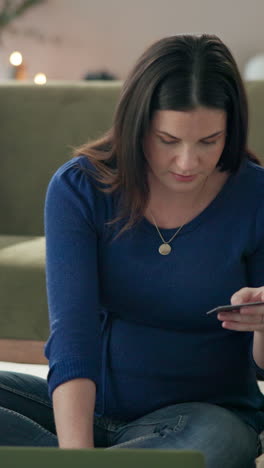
x,y
147,229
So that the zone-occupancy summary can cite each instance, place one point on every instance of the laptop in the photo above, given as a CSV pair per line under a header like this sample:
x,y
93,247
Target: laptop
x,y
53,457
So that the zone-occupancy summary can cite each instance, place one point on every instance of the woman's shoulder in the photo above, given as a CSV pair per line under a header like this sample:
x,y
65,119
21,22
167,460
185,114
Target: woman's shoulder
x,y
72,186
252,188
80,163
79,172
252,176
254,169
75,179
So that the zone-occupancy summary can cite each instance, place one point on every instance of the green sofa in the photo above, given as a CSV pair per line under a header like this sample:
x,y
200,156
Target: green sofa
x,y
40,125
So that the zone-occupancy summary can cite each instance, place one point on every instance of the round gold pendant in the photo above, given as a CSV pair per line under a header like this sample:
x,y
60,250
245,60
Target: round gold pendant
x,y
164,249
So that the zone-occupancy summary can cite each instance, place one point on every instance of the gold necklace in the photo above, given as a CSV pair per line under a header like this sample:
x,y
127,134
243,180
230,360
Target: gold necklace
x,y
165,248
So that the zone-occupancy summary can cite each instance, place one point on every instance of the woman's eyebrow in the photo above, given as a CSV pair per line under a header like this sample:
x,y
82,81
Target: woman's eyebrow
x,y
176,138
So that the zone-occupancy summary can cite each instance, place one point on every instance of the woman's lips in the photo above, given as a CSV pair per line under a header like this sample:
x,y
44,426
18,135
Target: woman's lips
x,y
184,178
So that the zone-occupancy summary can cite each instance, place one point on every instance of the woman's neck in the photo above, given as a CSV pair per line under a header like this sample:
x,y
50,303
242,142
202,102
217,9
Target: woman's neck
x,y
172,210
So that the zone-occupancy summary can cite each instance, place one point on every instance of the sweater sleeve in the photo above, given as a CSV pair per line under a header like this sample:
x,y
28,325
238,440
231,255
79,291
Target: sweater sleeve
x,y
256,265
73,347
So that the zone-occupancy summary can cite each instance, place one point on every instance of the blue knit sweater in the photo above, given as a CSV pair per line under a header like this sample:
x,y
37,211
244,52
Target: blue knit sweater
x,y
134,321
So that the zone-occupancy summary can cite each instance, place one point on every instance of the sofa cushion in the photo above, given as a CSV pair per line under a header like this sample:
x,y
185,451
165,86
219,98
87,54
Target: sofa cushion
x,y
24,310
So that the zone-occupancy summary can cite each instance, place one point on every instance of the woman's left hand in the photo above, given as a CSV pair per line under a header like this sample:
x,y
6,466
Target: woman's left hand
x,y
247,318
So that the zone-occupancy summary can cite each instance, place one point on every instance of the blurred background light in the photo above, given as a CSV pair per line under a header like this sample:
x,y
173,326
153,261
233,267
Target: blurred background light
x,y
40,78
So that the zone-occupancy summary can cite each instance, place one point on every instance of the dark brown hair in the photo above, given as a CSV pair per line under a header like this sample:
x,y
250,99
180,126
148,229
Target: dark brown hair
x,y
179,72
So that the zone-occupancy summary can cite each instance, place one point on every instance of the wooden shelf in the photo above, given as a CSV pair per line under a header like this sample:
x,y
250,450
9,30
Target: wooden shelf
x,y
22,351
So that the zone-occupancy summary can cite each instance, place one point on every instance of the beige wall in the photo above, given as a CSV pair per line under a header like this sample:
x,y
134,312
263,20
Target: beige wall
x,y
84,35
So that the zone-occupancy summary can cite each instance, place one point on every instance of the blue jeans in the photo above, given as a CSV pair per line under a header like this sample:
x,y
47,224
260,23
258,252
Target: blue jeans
x,y
26,419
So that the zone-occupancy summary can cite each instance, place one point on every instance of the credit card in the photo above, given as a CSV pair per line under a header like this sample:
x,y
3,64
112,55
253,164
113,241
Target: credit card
x,y
229,308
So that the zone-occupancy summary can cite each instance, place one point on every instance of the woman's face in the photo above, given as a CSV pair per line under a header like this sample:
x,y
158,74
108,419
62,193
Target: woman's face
x,y
185,143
